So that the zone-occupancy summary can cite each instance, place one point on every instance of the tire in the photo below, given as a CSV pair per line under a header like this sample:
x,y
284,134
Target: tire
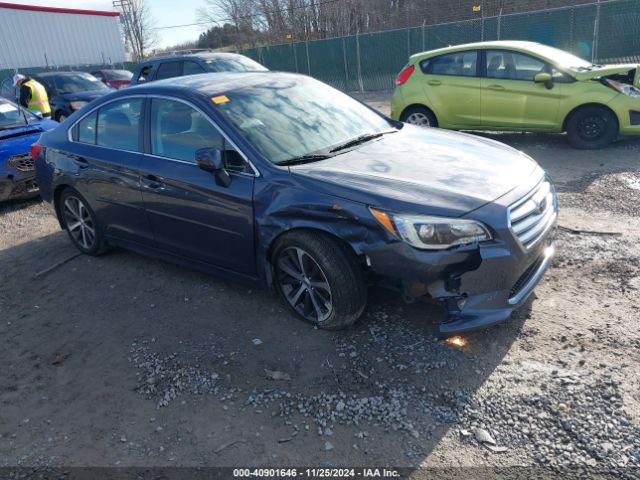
x,y
81,224
592,127
319,279
420,116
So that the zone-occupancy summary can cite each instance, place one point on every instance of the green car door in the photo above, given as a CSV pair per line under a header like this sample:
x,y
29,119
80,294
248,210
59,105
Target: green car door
x,y
510,97
452,86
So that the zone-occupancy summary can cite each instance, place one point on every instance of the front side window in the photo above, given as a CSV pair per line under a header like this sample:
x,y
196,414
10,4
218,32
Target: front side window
x,y
118,124
513,65
289,117
169,70
192,68
178,130
462,64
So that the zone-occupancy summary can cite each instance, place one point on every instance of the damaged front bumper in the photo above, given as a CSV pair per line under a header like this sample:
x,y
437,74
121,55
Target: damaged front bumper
x,y
18,178
481,284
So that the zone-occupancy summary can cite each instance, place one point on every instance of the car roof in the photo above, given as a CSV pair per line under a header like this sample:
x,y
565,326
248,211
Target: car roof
x,y
191,56
209,84
508,44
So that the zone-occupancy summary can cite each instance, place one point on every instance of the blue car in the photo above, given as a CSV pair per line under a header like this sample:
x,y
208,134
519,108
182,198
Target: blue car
x,y
19,128
279,180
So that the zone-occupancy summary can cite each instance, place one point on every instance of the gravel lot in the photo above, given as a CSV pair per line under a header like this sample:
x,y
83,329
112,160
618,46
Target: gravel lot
x,y
127,361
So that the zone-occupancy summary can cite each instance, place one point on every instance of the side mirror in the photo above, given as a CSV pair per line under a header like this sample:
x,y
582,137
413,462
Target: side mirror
x,y
211,160
544,77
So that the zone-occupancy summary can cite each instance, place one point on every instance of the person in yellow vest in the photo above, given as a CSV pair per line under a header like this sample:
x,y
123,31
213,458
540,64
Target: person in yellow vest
x,y
33,95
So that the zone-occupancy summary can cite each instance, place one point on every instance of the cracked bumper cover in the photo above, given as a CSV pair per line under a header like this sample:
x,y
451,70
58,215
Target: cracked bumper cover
x,y
478,285
18,188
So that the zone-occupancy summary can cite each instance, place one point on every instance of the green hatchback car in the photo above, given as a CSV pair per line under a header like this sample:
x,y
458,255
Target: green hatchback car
x,y
519,86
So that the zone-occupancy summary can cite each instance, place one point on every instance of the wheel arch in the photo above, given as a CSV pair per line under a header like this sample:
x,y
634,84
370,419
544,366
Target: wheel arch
x,y
421,105
57,193
586,105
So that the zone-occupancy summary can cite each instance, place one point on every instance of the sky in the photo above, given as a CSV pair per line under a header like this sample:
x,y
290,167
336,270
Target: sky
x,y
164,12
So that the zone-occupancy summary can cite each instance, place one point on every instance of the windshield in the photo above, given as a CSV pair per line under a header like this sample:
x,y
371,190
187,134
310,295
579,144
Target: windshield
x,y
11,116
290,117
75,83
561,58
236,63
118,74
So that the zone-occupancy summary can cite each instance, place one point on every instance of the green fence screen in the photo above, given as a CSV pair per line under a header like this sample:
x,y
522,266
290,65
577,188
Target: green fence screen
x,y
608,31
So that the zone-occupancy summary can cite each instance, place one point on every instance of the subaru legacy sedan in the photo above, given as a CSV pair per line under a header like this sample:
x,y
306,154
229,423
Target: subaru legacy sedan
x,y
279,180
519,86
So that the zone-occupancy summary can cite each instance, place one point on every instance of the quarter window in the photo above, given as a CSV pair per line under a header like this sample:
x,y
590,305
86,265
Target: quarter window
x,y
118,123
169,70
461,64
87,129
513,65
178,130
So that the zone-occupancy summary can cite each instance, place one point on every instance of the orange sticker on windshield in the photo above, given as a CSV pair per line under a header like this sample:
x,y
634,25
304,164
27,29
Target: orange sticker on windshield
x,y
220,99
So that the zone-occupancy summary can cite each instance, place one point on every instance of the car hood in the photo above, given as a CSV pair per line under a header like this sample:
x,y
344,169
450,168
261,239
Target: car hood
x,y
85,96
425,171
605,70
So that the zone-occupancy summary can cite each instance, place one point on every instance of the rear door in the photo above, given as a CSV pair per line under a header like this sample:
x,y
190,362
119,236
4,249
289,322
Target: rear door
x,y
452,85
511,98
106,150
192,216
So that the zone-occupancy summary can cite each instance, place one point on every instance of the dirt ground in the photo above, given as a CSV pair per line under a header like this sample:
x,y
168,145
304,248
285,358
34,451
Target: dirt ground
x,y
124,360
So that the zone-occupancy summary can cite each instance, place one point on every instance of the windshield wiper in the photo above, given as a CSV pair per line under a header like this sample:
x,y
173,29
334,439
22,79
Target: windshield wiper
x,y
366,137
305,159
9,127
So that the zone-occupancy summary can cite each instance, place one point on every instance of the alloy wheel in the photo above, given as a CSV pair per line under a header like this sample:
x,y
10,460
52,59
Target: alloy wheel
x,y
304,284
79,222
419,119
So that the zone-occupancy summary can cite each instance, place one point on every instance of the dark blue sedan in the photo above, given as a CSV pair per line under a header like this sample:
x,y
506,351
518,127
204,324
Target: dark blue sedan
x,y
280,180
19,128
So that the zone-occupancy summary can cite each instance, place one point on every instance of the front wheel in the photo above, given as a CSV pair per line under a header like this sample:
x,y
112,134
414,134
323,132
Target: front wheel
x,y
81,223
592,127
319,278
61,116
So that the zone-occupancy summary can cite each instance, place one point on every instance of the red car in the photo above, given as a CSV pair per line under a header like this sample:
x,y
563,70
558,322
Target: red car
x,y
114,78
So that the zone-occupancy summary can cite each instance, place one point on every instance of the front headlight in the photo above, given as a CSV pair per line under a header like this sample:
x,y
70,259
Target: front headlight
x,y
78,105
432,233
623,88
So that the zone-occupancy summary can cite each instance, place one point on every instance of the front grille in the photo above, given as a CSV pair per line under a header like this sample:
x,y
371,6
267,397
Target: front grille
x,y
531,216
525,277
22,162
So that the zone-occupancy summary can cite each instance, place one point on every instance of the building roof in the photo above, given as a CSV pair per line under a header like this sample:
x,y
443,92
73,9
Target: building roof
x,y
37,8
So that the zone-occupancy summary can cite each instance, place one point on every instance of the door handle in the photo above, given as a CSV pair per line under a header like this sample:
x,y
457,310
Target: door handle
x,y
435,83
495,87
153,182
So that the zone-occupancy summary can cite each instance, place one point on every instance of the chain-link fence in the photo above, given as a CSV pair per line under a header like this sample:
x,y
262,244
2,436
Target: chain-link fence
x,y
607,31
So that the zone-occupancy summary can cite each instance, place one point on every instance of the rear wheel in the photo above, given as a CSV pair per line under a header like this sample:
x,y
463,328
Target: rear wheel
x,y
420,116
81,223
592,127
319,278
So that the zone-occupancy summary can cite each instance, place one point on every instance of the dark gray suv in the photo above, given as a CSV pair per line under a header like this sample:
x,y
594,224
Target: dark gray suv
x,y
169,66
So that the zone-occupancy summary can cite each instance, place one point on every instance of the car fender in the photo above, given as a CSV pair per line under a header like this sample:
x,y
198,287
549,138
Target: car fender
x,y
573,102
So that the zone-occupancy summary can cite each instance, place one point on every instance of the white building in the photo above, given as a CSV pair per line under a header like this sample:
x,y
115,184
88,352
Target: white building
x,y
32,36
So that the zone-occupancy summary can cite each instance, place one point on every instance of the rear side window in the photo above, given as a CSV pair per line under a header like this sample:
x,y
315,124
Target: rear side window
x,y
145,74
462,64
118,125
87,129
169,70
192,68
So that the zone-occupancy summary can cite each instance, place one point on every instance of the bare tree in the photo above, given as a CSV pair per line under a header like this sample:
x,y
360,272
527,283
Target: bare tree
x,y
138,25
240,13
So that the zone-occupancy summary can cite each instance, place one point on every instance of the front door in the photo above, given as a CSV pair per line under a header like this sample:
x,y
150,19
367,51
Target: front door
x,y
511,98
191,215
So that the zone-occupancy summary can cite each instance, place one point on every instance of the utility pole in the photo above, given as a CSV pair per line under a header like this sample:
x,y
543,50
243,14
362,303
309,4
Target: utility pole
x,y
127,14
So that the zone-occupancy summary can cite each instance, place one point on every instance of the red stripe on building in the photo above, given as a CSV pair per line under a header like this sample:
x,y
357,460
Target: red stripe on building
x,y
36,8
